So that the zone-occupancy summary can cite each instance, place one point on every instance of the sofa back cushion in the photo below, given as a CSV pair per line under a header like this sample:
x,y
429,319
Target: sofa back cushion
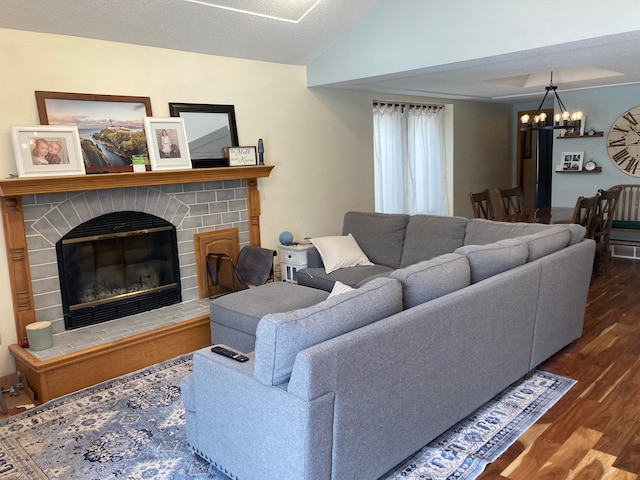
x,y
424,281
431,235
481,232
280,336
546,242
488,260
380,235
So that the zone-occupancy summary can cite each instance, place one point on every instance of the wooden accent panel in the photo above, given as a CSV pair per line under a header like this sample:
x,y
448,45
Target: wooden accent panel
x,y
76,183
18,260
68,373
217,241
253,207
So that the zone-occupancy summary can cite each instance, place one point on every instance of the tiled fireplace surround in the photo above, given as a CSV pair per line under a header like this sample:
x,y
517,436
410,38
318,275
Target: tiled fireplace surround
x,y
192,208
37,212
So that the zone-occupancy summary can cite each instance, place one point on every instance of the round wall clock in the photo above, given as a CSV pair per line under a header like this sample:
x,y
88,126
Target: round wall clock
x,y
623,142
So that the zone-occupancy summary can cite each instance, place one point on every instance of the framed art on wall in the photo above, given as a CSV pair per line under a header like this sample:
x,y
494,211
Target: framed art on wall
x,y
167,142
210,129
42,151
572,161
110,126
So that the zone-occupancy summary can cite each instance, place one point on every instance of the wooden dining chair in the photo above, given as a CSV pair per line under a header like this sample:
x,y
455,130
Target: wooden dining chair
x,y
482,205
605,211
584,213
511,204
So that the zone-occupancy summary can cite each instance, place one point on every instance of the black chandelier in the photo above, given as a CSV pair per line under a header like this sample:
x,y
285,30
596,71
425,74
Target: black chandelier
x,y
571,122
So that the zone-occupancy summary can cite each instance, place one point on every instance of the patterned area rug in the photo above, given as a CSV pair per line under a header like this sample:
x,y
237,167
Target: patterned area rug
x,y
132,428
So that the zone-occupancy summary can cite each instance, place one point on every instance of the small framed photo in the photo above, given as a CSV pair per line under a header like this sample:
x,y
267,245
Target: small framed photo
x,y
43,151
241,156
572,161
167,143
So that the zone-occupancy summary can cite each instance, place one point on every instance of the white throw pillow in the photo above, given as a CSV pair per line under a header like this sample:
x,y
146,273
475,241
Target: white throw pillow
x,y
340,252
339,288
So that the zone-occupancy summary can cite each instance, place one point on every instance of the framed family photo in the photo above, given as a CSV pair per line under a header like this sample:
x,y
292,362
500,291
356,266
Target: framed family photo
x,y
167,143
42,151
572,161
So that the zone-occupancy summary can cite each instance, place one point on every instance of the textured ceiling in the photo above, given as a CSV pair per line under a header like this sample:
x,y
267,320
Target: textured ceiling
x,y
297,31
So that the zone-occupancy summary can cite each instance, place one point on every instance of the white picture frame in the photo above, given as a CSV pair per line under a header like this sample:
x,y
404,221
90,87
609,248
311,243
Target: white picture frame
x,y
572,161
47,150
167,143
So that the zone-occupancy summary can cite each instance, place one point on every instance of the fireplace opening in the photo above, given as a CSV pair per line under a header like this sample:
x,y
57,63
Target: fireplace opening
x,y
116,265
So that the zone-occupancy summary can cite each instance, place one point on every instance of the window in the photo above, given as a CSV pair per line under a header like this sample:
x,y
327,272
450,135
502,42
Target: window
x,y
409,159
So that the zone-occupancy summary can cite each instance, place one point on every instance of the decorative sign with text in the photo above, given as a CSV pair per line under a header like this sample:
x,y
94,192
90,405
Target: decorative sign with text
x,y
240,156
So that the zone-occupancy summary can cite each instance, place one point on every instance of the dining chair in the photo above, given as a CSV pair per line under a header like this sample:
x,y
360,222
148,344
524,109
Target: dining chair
x,y
482,205
584,213
511,204
605,211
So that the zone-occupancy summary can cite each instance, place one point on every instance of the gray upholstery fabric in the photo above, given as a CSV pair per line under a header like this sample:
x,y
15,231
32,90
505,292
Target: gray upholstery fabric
x,y
481,232
380,235
234,317
489,260
433,278
545,242
431,235
577,233
280,336
352,276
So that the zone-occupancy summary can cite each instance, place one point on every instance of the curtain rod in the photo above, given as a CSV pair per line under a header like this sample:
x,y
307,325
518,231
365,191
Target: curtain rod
x,y
410,105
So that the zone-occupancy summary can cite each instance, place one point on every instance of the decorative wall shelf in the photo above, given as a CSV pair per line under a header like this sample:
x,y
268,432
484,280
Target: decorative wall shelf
x,y
566,137
596,170
102,181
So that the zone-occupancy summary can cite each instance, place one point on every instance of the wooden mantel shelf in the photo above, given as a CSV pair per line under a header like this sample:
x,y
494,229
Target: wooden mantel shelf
x,y
25,186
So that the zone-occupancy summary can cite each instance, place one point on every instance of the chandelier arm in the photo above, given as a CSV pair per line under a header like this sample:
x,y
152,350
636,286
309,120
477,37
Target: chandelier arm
x,y
562,107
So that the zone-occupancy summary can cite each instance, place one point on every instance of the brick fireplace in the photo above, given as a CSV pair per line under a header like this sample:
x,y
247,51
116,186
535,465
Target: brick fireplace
x,y
38,212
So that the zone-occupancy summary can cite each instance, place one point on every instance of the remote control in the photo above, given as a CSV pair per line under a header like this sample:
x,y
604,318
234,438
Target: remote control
x,y
237,356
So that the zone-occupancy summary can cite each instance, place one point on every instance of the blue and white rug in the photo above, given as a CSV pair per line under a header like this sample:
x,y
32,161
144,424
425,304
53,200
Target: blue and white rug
x,y
132,428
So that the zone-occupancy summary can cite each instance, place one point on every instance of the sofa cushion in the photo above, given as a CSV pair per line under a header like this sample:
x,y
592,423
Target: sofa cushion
x,y
546,242
433,278
431,235
340,252
354,276
280,336
482,232
380,235
488,260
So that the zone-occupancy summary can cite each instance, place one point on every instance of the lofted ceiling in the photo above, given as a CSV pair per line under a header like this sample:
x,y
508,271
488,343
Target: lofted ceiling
x,y
297,31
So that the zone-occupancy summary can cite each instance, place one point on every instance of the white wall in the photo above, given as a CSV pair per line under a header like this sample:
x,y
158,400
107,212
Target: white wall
x,y
320,140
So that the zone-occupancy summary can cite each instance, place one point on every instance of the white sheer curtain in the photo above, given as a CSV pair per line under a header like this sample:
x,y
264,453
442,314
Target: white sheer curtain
x,y
409,159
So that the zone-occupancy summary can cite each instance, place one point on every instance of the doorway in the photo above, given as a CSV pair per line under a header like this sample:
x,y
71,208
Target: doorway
x,y
534,170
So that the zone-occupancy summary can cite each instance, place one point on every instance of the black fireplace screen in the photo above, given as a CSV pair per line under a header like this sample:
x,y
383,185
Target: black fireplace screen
x,y
116,265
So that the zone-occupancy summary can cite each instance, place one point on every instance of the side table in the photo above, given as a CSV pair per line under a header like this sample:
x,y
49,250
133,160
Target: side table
x,y
292,259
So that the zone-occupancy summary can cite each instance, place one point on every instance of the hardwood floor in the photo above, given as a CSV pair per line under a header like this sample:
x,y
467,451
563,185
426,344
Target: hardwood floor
x,y
593,432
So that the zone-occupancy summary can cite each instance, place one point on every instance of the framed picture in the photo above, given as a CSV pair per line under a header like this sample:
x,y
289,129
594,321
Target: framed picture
x,y
110,126
43,151
210,129
167,142
572,161
240,156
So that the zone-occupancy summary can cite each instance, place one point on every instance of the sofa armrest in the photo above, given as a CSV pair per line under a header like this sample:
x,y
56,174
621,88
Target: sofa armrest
x,y
314,260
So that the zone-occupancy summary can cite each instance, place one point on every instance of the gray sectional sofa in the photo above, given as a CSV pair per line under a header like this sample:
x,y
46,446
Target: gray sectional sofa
x,y
348,386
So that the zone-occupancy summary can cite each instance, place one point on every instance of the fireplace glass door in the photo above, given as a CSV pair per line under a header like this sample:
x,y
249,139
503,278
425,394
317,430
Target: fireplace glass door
x,y
117,265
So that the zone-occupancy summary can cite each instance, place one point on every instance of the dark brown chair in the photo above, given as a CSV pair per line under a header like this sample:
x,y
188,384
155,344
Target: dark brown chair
x,y
605,211
584,213
511,204
482,205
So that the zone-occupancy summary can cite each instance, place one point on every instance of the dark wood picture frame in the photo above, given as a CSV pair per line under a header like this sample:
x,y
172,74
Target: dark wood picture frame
x,y
141,107
206,150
